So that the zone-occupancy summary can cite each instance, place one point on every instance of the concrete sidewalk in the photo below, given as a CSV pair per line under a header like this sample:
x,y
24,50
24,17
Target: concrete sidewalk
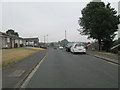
x,y
110,58
16,73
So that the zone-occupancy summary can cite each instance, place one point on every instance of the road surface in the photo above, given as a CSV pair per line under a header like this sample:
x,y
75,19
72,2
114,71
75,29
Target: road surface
x,y
61,69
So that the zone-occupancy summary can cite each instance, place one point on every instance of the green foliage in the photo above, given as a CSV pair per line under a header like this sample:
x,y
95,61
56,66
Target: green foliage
x,y
63,42
52,44
12,32
99,21
16,34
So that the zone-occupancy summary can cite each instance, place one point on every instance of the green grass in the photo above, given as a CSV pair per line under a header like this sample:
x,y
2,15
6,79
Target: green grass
x,y
108,53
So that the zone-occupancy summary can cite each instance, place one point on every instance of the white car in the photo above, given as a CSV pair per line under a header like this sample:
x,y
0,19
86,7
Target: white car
x,y
60,47
78,48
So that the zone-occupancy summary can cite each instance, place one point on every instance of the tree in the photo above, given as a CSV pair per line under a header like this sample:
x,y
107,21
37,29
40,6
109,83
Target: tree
x,y
52,44
16,34
63,42
12,32
100,22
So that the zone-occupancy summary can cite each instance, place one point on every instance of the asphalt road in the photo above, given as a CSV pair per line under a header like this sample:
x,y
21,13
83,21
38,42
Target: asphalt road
x,y
61,69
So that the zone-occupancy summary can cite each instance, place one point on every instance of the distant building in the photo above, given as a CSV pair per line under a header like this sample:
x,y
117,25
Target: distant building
x,y
34,42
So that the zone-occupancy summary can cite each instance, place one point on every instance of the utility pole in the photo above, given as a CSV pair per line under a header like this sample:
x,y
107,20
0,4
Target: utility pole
x,y
44,39
65,38
65,35
47,38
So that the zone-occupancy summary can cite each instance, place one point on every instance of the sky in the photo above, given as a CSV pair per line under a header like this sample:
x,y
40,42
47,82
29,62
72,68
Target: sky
x,y
39,19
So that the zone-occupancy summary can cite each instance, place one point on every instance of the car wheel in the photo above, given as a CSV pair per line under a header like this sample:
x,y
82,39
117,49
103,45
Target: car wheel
x,y
84,52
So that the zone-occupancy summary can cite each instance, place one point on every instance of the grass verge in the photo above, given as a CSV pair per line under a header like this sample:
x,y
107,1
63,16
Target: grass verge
x,y
108,53
11,56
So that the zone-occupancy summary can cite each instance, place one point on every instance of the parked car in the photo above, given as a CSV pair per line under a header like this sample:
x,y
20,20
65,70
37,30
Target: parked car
x,y
43,46
55,47
78,48
60,47
68,46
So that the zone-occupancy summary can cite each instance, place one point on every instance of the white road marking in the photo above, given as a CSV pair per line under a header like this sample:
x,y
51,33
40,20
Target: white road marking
x,y
32,73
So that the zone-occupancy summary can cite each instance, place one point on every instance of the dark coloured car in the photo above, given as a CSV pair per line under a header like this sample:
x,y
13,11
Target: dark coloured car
x,y
55,47
68,46
43,46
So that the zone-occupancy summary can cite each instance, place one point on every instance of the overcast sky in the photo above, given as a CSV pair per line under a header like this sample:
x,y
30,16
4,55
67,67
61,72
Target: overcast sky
x,y
36,19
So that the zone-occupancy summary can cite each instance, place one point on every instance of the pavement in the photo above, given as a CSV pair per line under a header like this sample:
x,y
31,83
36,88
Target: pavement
x,y
61,69
109,58
14,76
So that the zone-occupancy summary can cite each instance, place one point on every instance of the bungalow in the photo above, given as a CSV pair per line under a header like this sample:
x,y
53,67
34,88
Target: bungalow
x,y
34,42
6,40
11,41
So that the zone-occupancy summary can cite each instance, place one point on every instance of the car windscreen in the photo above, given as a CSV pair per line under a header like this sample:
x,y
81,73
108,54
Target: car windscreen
x,y
79,44
70,44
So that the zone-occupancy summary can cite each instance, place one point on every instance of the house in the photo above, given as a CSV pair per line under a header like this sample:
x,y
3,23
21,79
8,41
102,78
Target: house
x,y
11,41
93,46
34,42
6,40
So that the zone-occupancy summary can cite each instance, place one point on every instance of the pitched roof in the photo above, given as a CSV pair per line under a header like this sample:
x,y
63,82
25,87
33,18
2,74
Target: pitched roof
x,y
30,38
